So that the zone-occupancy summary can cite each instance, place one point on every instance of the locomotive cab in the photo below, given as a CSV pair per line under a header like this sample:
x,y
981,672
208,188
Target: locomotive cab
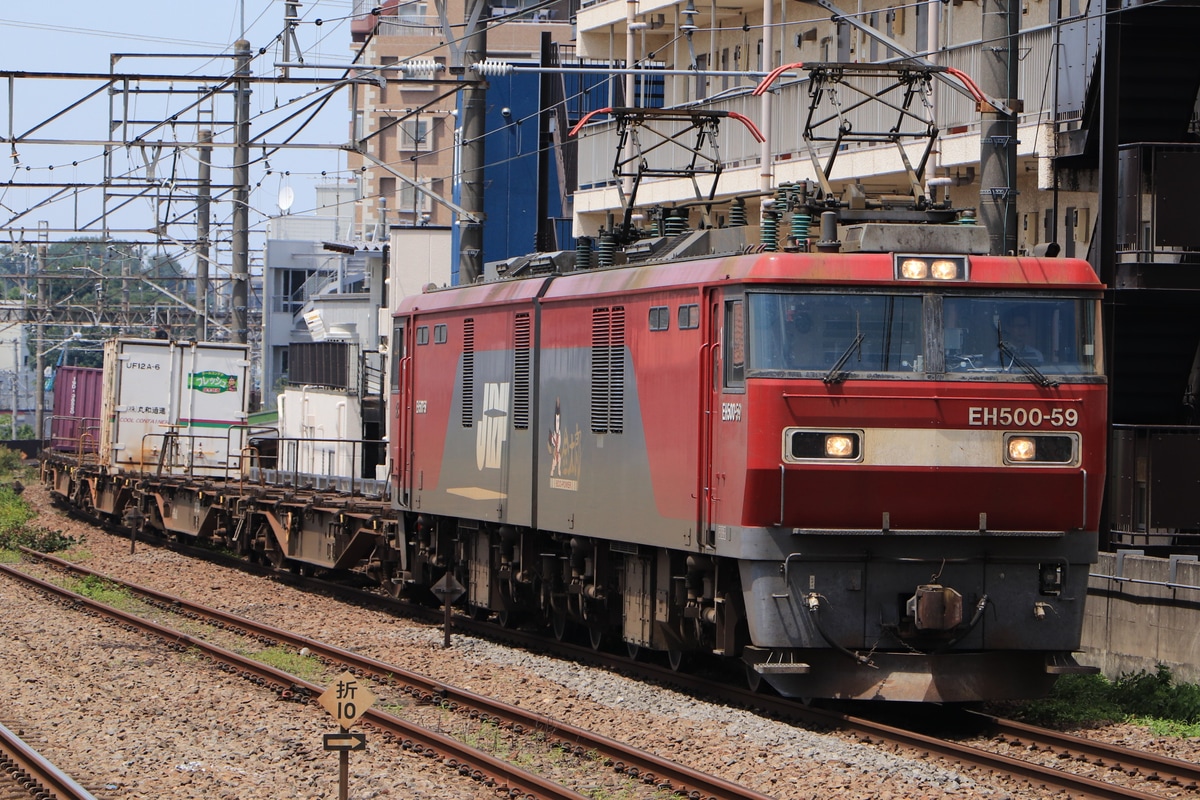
x,y
912,489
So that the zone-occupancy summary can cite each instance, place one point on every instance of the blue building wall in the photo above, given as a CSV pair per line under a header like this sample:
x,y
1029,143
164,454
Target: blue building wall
x,y
511,159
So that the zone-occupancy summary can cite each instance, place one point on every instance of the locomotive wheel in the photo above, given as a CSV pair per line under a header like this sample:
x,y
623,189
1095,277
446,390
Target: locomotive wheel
x,y
754,678
558,621
676,659
506,618
596,637
634,651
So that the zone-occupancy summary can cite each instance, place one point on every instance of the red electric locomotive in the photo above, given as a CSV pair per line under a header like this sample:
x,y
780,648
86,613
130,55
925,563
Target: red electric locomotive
x,y
873,472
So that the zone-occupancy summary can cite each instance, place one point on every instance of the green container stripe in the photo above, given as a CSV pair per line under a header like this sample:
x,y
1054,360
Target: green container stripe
x,y
206,423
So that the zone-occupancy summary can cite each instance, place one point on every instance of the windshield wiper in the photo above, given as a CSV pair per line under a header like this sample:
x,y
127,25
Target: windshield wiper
x,y
1029,369
835,374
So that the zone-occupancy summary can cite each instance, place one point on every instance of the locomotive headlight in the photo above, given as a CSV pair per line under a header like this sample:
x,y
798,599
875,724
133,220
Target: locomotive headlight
x,y
817,445
938,268
1021,448
914,269
944,270
839,445
1041,449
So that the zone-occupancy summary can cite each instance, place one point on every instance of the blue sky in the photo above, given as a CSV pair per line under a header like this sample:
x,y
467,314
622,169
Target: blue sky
x,y
77,37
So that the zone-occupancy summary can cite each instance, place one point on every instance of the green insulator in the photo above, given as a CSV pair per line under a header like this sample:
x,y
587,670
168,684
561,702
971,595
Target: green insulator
x,y
781,199
800,225
607,250
583,252
737,213
677,222
769,231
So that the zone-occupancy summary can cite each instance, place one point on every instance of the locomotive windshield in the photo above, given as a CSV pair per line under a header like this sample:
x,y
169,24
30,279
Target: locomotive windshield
x,y
847,335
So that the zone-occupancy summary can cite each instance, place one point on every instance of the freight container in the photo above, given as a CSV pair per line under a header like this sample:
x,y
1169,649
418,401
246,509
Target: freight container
x,y
320,432
177,408
75,415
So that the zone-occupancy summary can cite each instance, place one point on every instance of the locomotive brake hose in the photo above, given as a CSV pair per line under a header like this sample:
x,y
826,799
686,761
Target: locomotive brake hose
x,y
813,602
978,615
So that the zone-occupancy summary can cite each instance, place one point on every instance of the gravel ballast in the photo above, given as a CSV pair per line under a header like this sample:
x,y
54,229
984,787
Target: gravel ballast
x,y
119,710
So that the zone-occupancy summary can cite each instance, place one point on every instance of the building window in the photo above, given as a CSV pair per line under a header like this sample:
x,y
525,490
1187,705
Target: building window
x,y
413,199
292,288
416,135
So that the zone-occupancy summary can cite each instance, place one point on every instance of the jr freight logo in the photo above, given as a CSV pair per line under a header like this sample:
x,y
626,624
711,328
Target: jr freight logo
x,y
493,427
212,382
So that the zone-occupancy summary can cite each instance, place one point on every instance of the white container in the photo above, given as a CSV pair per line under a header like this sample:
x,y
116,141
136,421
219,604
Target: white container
x,y
178,408
320,432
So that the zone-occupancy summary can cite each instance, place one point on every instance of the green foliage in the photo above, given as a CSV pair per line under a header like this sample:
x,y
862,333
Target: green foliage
x,y
1157,695
102,591
1075,700
1154,700
11,461
24,431
15,516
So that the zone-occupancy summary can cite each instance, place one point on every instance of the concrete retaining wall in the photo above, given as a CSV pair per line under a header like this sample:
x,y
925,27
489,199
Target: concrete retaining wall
x,y
1142,612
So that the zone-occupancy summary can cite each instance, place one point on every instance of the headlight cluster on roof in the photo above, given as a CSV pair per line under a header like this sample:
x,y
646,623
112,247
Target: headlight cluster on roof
x,y
931,268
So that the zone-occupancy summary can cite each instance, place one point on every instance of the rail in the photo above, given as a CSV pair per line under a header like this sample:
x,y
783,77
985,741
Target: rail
x,y
23,760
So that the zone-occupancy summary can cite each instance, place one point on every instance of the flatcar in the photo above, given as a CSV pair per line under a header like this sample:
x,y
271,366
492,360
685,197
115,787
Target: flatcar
x,y
872,472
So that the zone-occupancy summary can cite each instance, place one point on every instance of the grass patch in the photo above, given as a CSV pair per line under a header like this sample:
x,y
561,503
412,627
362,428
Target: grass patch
x,y
102,591
16,528
289,661
1151,699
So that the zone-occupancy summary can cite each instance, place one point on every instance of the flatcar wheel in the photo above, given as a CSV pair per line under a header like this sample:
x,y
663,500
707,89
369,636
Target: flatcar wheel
x,y
675,659
596,637
558,622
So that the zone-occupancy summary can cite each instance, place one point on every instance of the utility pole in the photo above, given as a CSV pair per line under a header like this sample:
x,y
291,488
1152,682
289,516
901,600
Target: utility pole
x,y
203,252
470,243
998,129
240,273
39,378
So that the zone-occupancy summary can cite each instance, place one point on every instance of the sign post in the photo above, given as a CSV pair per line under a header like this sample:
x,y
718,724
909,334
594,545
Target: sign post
x,y
449,590
346,700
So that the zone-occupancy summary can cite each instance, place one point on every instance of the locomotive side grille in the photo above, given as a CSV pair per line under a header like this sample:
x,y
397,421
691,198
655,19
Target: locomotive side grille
x,y
521,376
600,369
608,370
468,387
616,373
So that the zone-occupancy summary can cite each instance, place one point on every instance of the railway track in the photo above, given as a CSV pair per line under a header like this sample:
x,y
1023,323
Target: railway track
x,y
636,765
1043,758
25,773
